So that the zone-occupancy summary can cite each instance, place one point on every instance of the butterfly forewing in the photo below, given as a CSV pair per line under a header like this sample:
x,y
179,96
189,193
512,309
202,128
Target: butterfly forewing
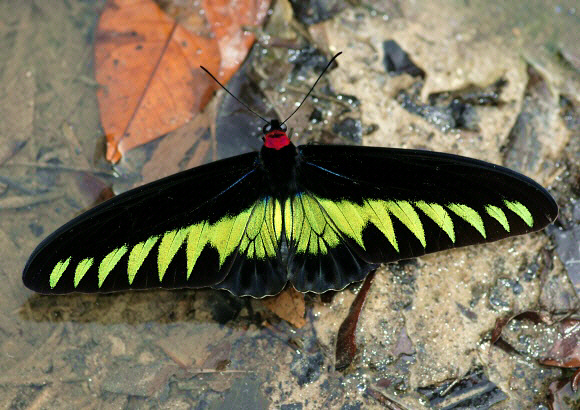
x,y
372,205
181,231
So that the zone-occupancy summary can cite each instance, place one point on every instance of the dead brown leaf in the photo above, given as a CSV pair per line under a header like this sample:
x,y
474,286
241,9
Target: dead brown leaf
x,y
288,305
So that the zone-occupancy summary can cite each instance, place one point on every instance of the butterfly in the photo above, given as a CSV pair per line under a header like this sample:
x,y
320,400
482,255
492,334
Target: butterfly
x,y
319,217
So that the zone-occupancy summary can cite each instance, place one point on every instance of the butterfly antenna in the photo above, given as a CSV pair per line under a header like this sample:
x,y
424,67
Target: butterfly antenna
x,y
235,98
312,88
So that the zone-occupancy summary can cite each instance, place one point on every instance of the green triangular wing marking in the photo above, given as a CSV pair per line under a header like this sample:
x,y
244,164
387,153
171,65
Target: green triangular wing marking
x,y
109,262
498,215
405,213
57,272
195,243
469,215
137,256
81,269
439,215
521,211
237,230
346,217
170,244
381,219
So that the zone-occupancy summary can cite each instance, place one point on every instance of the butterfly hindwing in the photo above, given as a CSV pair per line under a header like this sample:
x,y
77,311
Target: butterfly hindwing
x,y
181,231
322,254
259,268
380,205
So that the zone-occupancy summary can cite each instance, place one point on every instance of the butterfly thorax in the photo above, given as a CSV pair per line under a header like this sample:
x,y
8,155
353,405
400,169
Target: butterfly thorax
x,y
279,167
278,159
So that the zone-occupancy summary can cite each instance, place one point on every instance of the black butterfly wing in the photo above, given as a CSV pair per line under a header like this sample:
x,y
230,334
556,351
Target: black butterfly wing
x,y
354,207
186,230
360,206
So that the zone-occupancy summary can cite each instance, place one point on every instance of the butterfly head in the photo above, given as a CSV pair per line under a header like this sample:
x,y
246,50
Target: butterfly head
x,y
275,136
